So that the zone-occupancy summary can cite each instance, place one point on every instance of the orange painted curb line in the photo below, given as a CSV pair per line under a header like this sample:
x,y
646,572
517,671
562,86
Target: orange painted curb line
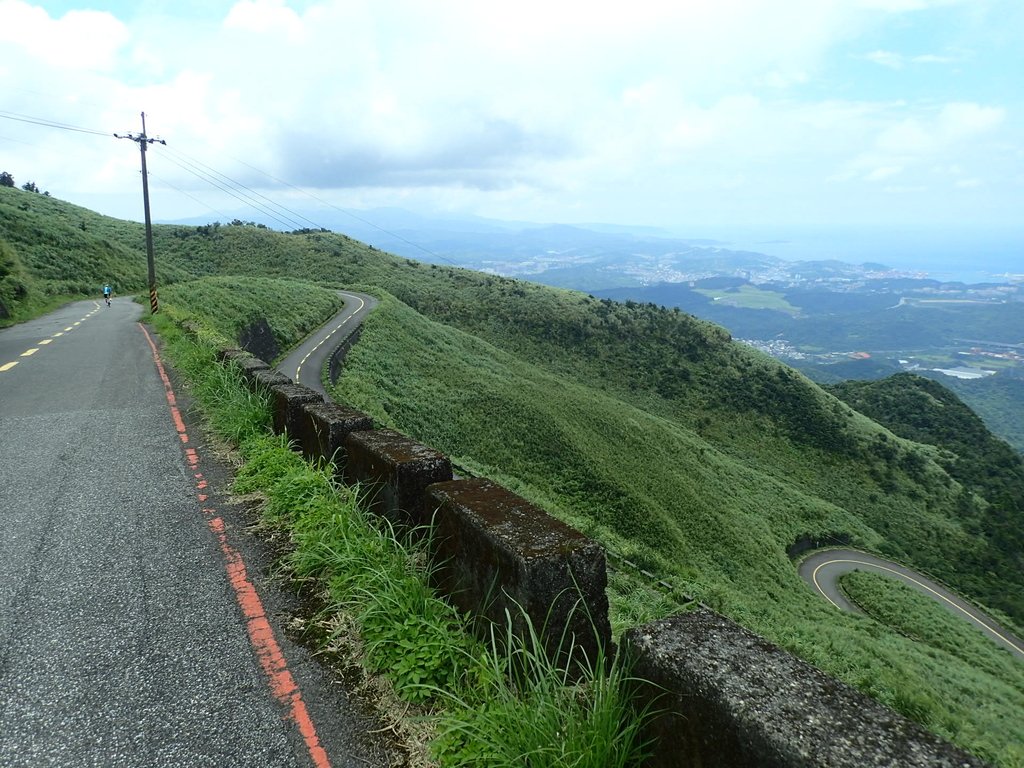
x,y
261,634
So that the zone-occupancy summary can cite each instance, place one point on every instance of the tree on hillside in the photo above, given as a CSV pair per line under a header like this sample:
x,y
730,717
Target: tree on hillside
x,y
6,180
30,186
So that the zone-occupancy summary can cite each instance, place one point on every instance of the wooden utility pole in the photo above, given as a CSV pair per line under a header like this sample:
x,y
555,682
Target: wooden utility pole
x,y
143,141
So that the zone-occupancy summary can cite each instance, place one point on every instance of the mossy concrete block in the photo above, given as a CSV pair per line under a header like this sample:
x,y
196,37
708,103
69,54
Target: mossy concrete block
x,y
191,328
249,365
287,401
395,471
324,427
227,354
266,379
497,552
728,697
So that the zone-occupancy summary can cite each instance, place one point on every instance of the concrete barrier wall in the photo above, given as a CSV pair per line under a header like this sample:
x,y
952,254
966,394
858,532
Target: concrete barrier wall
x,y
338,356
495,551
500,555
265,379
287,401
725,696
395,471
324,427
728,697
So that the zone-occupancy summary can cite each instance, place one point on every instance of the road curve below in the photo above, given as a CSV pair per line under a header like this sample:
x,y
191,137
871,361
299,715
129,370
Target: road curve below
x,y
304,364
823,569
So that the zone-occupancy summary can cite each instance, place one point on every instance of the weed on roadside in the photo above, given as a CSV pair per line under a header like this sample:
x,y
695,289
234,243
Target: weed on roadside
x,y
496,703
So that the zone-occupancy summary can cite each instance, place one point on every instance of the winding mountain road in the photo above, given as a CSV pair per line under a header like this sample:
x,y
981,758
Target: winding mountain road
x,y
304,364
137,625
823,569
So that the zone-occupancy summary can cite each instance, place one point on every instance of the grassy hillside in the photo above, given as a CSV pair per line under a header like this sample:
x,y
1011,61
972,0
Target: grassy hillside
x,y
69,250
697,456
923,410
656,490
228,304
999,400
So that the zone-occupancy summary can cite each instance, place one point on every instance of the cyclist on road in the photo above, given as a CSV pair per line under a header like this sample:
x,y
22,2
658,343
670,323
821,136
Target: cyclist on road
x,y
106,293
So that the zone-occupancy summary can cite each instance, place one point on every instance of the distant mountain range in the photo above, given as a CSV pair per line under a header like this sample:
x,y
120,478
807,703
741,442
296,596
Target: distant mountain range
x,y
833,319
595,256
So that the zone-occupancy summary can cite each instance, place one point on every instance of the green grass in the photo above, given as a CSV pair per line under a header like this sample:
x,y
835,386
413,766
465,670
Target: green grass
x,y
699,458
494,704
20,296
409,634
750,297
228,304
660,493
68,250
954,645
518,709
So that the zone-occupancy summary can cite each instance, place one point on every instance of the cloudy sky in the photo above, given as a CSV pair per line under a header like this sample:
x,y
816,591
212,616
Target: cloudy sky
x,y
690,114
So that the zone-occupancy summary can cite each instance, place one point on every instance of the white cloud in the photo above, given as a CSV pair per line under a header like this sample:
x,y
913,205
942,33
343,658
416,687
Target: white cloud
x,y
886,59
884,172
559,106
961,120
264,17
923,144
931,133
896,61
903,6
90,37
931,58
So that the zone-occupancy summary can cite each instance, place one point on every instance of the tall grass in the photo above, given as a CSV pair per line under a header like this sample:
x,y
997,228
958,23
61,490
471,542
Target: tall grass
x,y
520,708
227,304
526,710
952,644
712,525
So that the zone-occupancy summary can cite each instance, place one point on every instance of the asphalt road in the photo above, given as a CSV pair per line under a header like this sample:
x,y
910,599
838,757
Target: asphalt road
x,y
304,364
127,632
822,570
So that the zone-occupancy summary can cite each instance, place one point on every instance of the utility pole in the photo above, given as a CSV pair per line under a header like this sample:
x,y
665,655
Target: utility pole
x,y
143,141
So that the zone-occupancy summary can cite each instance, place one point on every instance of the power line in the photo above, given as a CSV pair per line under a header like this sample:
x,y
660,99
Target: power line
x,y
51,123
195,162
166,183
239,195
283,215
194,168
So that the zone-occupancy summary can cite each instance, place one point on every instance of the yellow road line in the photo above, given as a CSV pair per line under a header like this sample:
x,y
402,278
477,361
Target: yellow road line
x,y
29,352
69,328
904,576
302,362
58,334
814,578
8,366
44,342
